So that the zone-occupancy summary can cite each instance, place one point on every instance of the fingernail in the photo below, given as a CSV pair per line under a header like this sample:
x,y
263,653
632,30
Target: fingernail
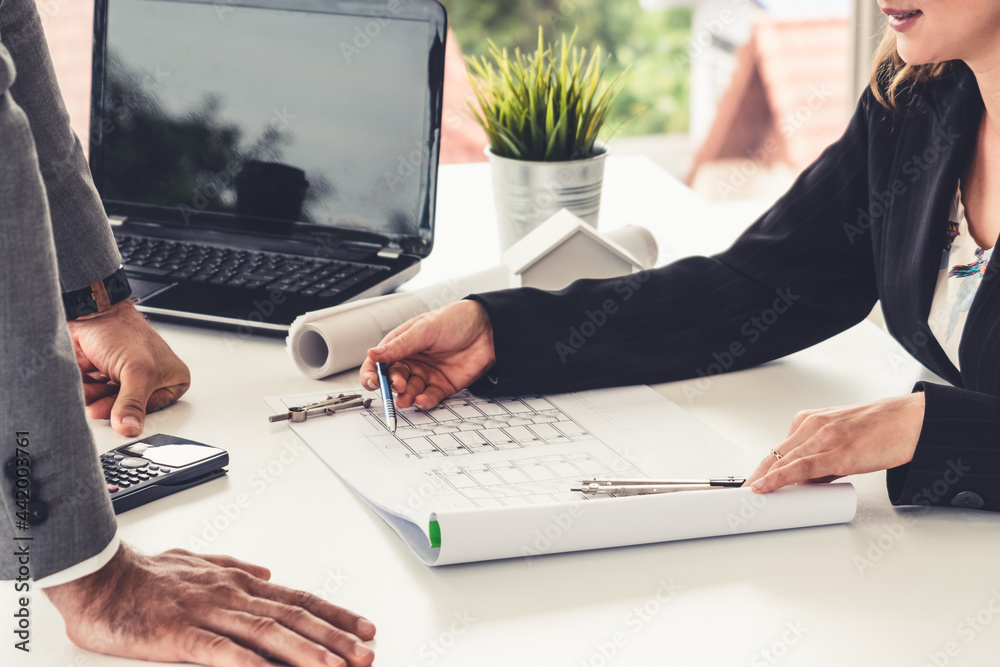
x,y
758,485
379,349
335,660
131,421
369,385
365,626
362,651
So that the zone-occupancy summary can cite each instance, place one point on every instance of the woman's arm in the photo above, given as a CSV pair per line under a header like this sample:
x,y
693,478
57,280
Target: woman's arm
x,y
799,275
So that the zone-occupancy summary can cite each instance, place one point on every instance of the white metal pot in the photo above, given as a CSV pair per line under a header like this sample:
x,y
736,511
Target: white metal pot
x,y
527,194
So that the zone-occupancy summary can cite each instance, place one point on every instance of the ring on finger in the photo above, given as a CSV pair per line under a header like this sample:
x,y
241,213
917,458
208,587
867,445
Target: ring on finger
x,y
776,454
409,371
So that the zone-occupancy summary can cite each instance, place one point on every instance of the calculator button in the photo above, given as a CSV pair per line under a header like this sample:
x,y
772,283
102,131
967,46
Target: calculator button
x,y
152,473
164,470
154,468
119,457
112,488
133,463
124,485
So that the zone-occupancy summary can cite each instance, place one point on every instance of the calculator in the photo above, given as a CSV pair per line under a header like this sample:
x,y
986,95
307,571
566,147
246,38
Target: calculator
x,y
157,466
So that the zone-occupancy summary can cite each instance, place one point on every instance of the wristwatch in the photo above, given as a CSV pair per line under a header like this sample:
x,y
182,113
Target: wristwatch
x,y
97,297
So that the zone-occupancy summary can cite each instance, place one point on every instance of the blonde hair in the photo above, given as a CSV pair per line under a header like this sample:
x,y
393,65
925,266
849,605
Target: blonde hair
x,y
892,77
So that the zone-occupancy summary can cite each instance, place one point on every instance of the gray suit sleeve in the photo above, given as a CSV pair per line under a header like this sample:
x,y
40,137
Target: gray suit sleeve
x,y
61,513
85,248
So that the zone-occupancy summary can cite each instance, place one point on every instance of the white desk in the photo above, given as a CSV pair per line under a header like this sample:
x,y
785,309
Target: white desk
x,y
887,589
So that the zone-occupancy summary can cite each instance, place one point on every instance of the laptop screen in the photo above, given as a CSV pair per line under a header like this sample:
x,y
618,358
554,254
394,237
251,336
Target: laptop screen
x,y
286,119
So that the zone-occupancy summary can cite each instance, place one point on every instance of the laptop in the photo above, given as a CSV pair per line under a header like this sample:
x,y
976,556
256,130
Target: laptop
x,y
260,159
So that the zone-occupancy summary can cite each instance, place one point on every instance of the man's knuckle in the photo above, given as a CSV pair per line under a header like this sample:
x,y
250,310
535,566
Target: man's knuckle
x,y
223,590
292,615
304,599
197,643
142,365
264,626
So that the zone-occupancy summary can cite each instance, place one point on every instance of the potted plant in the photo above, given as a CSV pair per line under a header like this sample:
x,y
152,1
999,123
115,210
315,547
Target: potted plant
x,y
542,113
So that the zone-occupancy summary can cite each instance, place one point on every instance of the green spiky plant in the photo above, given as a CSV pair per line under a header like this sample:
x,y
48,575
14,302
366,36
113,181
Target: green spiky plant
x,y
544,106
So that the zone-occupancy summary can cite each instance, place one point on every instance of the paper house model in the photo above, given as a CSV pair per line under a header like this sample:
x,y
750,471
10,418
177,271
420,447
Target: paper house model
x,y
564,248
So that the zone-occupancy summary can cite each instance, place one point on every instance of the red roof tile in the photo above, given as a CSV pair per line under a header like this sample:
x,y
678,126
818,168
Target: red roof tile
x,y
787,100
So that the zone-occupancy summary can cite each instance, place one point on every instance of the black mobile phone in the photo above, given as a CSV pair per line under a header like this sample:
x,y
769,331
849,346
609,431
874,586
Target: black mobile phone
x,y
156,466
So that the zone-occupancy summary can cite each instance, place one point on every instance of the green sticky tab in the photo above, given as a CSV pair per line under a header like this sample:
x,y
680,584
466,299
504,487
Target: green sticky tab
x,y
435,534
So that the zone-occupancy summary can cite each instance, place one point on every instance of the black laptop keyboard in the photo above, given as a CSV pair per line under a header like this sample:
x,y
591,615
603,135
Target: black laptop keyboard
x,y
251,269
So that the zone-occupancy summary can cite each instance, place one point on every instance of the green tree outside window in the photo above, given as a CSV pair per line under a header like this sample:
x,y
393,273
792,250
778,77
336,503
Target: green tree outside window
x,y
653,43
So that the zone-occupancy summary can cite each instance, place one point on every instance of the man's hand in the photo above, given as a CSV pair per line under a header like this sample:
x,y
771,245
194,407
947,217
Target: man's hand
x,y
823,445
212,610
445,350
127,368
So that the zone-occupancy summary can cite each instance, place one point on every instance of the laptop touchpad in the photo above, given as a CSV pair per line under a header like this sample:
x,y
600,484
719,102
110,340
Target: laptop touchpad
x,y
143,289
229,302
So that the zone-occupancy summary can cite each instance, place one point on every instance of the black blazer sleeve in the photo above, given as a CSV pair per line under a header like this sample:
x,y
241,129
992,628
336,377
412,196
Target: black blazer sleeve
x,y
956,462
865,221
796,277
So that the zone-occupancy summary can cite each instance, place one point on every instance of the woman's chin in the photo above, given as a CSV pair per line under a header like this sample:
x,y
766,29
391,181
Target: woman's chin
x,y
914,56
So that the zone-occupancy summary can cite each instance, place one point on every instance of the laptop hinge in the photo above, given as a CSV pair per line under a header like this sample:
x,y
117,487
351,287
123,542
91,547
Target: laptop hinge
x,y
390,252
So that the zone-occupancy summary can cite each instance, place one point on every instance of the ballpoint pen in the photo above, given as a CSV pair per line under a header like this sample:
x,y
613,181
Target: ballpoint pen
x,y
385,388
641,487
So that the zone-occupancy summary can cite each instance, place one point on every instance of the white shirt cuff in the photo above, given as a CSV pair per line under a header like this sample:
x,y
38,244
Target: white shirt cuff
x,y
83,568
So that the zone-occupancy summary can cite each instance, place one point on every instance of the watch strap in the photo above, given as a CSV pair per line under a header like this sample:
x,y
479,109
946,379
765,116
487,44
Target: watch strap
x,y
97,297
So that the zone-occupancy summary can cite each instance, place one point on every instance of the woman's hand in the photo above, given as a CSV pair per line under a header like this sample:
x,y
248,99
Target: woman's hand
x,y
434,355
823,445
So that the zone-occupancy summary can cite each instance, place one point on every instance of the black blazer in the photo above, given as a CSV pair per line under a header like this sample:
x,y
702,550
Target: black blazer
x,y
866,221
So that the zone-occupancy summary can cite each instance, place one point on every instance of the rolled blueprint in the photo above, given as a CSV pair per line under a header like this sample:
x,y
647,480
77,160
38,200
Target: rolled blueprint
x,y
332,340
638,241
